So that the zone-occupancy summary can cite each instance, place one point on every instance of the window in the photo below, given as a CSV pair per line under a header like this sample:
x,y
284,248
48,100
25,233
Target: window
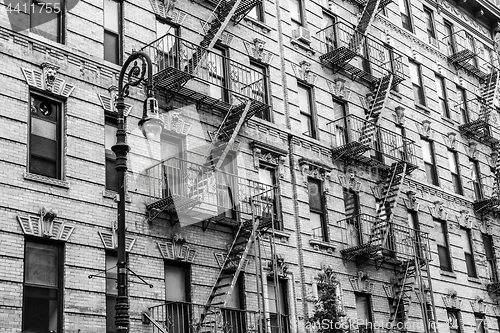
x,y
112,31
455,171
476,179
296,13
351,207
317,215
234,318
363,310
462,104
42,291
404,7
471,45
416,80
167,46
415,225
306,111
217,66
267,176
259,88
442,246
469,256
257,12
45,143
171,152
278,305
454,321
329,32
177,282
429,23
111,292
46,18
479,322
442,96
449,37
490,257
109,141
429,162
397,307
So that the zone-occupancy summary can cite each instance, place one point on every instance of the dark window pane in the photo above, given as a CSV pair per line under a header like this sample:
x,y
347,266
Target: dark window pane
x,y
40,309
471,267
43,167
444,258
45,23
110,314
457,184
111,175
315,197
111,47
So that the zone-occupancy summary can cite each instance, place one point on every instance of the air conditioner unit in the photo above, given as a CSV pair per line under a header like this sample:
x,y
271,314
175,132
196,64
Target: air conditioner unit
x,y
302,34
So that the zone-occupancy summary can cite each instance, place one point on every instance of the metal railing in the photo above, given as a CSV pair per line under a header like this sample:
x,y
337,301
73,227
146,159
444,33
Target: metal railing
x,y
184,317
475,109
401,241
352,128
342,35
170,51
462,47
179,178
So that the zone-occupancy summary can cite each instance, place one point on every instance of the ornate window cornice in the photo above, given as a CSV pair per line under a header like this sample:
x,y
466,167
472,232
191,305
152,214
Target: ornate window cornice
x,y
411,202
47,79
316,170
108,102
110,239
303,72
464,219
177,249
174,123
350,182
450,140
257,51
280,265
45,225
220,257
425,129
362,283
270,155
478,305
438,211
451,301
166,9
340,89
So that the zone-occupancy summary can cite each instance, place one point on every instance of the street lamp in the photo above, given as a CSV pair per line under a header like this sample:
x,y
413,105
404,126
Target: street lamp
x,y
151,125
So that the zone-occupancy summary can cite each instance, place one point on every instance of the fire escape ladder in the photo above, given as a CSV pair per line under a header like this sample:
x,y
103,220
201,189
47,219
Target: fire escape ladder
x,y
224,136
380,98
234,263
490,88
243,9
367,16
404,286
214,27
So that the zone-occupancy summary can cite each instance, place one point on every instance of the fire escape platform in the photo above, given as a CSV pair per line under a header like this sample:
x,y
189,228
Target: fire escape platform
x,y
487,205
479,131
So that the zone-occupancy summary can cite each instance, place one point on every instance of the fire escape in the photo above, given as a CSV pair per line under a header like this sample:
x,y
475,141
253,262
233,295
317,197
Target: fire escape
x,y
203,192
478,114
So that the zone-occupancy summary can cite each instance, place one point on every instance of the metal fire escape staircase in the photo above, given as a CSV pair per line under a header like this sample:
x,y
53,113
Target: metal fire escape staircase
x,y
413,276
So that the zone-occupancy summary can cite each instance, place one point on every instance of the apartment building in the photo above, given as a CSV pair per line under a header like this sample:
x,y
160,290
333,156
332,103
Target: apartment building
x,y
318,150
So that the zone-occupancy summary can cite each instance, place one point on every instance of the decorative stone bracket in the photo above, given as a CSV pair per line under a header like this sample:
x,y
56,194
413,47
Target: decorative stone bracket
x,y
303,72
257,51
464,219
312,169
108,102
425,129
339,89
362,283
411,202
478,305
221,257
110,239
47,79
173,122
177,249
166,9
450,140
399,115
472,150
350,182
438,211
45,225
269,155
451,301
280,264
225,38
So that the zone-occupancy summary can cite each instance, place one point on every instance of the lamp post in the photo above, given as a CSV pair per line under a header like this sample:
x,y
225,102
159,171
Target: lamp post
x,y
151,126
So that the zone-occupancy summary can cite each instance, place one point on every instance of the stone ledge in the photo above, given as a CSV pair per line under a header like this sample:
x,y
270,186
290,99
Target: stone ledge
x,y
317,244
46,180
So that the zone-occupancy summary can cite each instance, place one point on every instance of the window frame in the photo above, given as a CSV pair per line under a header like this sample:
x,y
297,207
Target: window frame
x,y
431,30
456,176
443,100
301,22
367,297
405,13
325,234
61,19
449,39
464,108
491,261
283,287
418,87
445,248
59,246
112,121
471,266
278,222
482,318
224,77
433,172
266,114
108,276
477,185
459,322
187,277
118,34
259,12
312,114
60,134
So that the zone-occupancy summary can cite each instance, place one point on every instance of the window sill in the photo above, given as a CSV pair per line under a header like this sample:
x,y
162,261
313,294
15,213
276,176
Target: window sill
x,y
306,47
448,274
396,94
258,24
449,121
110,194
46,180
423,108
285,236
317,244
475,280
